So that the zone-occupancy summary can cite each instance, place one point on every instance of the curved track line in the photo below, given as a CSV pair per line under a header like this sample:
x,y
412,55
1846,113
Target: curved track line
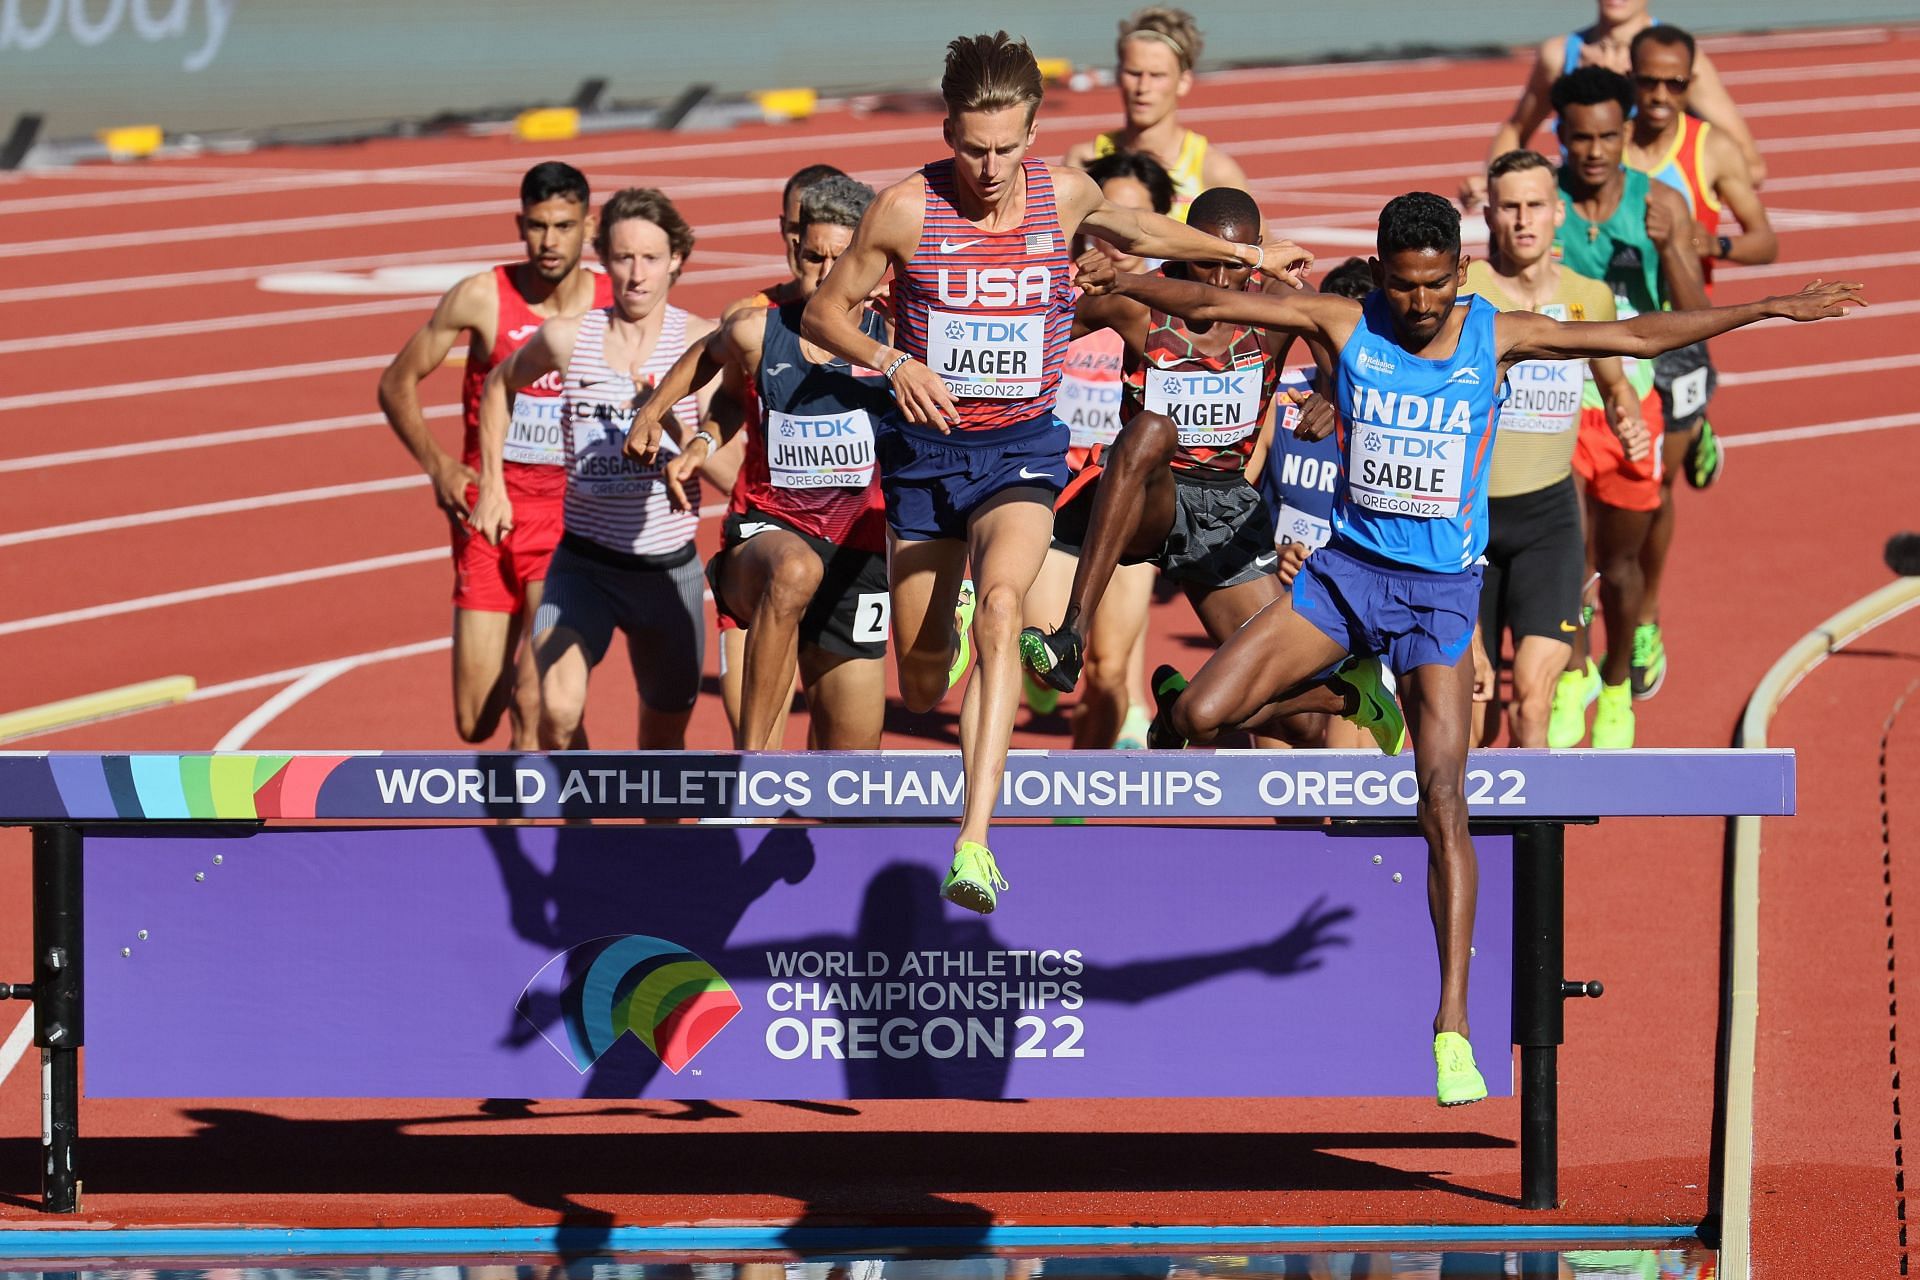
x,y
269,711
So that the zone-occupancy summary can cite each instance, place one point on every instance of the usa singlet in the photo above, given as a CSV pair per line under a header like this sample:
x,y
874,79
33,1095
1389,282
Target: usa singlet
x,y
535,457
810,459
989,311
1416,440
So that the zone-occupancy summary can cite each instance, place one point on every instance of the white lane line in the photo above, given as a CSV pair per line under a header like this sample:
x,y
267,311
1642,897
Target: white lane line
x,y
142,604
249,683
269,711
1819,267
1793,373
199,510
210,439
19,1040
1784,434
196,382
216,324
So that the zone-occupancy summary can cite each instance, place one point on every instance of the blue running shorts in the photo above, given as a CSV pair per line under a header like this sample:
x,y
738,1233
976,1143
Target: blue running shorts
x,y
1408,617
934,483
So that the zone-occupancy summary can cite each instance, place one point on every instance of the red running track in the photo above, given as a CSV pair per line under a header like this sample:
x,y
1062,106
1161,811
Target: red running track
x,y
153,364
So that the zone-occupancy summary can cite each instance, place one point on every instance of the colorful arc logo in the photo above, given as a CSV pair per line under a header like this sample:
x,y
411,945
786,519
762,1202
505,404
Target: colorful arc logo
x,y
670,999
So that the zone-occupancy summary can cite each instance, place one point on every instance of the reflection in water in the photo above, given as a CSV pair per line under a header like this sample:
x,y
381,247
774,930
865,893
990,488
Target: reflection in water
x,y
1693,1263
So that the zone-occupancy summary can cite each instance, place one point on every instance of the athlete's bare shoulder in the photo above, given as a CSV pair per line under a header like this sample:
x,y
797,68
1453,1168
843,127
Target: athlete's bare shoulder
x,y
894,220
1074,193
1081,154
473,303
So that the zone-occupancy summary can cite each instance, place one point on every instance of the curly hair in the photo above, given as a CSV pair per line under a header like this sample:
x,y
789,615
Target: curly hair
x,y
1421,221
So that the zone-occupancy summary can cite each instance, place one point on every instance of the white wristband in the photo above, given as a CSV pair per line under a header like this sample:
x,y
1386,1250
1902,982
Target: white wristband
x,y
713,445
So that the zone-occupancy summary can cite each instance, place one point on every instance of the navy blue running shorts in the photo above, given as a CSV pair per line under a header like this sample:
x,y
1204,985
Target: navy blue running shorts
x,y
934,483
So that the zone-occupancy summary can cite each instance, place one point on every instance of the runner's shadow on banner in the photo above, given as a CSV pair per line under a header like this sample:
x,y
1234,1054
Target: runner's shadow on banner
x,y
902,912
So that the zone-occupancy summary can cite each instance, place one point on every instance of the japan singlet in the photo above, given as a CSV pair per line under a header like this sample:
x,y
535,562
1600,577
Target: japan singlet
x,y
535,456
611,499
1217,402
1089,401
1301,476
1416,439
810,458
989,311
1540,419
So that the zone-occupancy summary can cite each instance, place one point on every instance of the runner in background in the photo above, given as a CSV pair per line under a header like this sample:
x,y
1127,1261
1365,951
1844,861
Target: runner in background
x,y
802,567
1710,172
627,561
1536,555
1636,235
982,302
1298,471
1158,49
723,466
1607,43
1113,707
496,589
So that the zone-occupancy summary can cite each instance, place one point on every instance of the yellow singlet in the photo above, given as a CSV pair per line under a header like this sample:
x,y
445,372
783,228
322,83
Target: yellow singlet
x,y
1185,170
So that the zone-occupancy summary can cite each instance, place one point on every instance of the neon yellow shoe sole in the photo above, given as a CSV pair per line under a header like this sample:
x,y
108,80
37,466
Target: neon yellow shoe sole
x,y
1377,712
963,628
973,881
1458,1081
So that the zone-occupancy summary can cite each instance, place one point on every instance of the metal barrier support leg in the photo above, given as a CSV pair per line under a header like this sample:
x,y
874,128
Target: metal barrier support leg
x,y
1539,1024
59,1028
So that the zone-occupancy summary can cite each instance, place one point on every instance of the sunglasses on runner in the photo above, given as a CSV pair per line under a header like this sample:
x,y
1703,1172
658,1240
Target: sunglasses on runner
x,y
1674,85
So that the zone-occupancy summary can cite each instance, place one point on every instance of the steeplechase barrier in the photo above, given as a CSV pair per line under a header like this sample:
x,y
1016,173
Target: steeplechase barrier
x,y
1228,924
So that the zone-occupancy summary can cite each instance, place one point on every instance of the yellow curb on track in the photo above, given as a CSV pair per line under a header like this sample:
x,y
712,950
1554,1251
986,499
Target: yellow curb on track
x,y
95,706
1743,996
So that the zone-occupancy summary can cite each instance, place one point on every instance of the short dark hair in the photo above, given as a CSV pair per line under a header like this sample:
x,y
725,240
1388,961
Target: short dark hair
x,y
1226,208
1519,160
805,178
991,73
1351,279
838,201
1142,168
1591,86
1421,221
553,178
645,204
1671,36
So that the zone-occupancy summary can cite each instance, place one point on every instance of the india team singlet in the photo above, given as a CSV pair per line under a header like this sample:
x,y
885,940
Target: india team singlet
x,y
989,311
810,458
611,499
1217,402
535,455
1416,439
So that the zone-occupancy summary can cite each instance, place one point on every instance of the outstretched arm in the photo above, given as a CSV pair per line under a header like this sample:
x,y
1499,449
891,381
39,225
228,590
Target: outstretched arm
x,y
1317,316
1526,336
1154,235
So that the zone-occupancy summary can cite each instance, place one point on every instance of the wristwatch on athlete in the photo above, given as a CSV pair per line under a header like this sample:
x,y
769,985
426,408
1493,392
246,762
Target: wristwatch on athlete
x,y
1725,245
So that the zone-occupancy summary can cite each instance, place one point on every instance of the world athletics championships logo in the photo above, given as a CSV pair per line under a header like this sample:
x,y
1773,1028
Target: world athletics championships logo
x,y
673,1001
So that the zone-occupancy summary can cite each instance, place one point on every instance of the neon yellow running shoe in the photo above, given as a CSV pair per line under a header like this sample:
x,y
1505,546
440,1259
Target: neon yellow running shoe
x,y
1459,1080
1041,700
1613,718
1649,670
963,628
973,881
1573,693
1374,709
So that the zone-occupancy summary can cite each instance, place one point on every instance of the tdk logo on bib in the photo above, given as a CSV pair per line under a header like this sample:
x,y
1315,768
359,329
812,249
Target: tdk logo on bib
x,y
995,286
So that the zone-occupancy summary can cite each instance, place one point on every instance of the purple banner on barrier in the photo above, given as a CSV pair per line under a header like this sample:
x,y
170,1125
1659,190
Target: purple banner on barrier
x,y
773,963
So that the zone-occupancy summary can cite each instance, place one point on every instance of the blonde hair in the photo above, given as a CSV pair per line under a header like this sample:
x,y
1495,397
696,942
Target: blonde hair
x,y
990,73
1174,28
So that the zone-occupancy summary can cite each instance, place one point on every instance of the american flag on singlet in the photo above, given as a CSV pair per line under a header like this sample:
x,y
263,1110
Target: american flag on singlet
x,y
612,499
989,311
